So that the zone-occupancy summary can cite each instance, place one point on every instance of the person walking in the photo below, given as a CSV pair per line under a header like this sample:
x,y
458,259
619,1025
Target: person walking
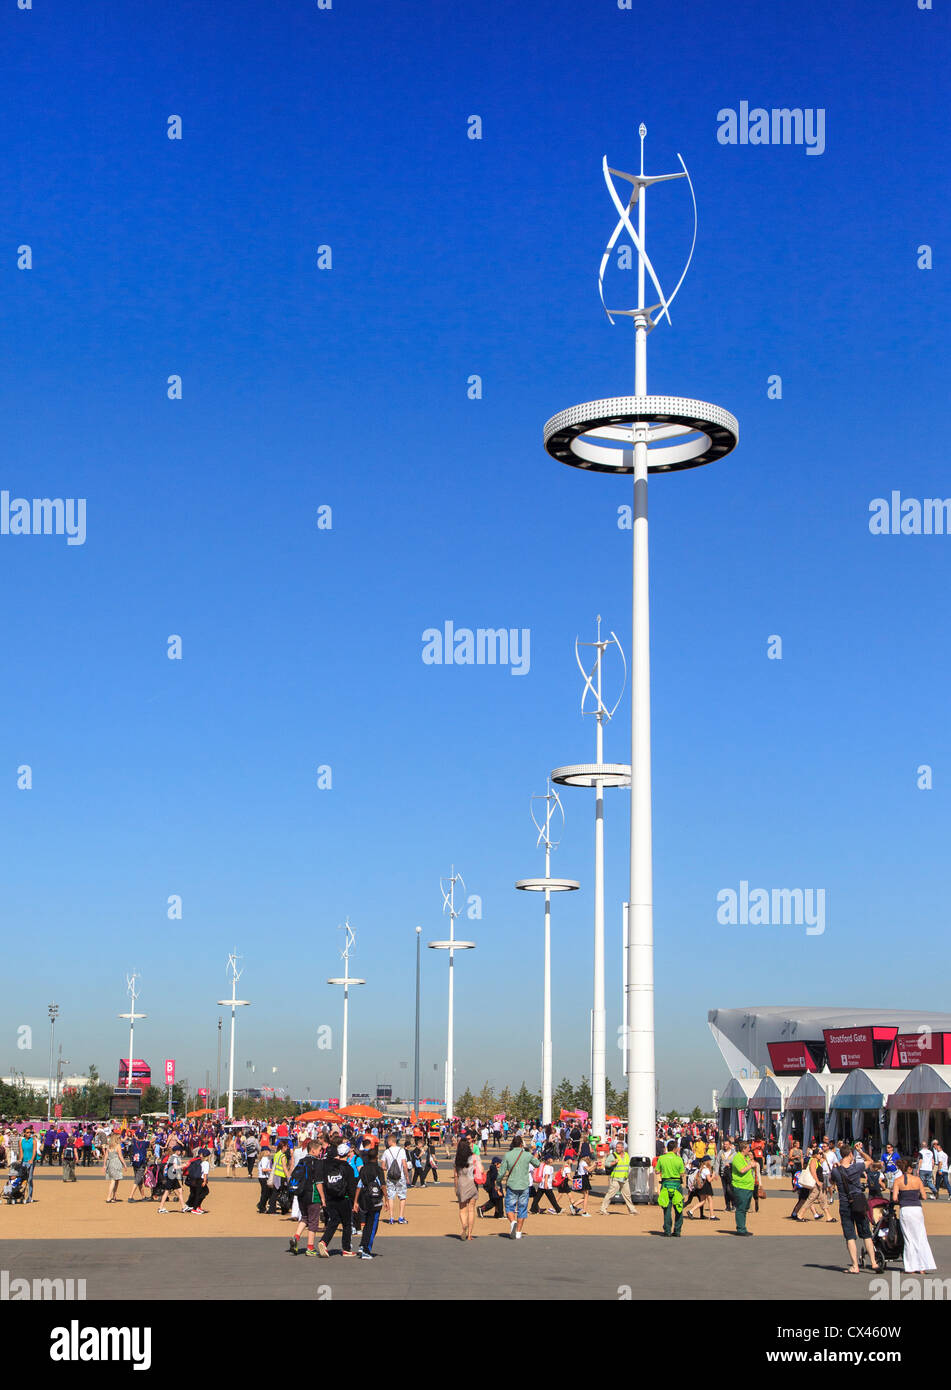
x,y
670,1198
171,1179
371,1191
515,1179
113,1167
543,1179
620,1180
907,1190
853,1208
811,1194
493,1204
306,1176
744,1183
926,1171
580,1189
395,1166
340,1188
941,1169
69,1159
724,1166
700,1188
466,1169
265,1169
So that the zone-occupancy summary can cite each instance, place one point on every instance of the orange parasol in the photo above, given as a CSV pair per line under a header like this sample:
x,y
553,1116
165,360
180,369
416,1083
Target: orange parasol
x,y
361,1112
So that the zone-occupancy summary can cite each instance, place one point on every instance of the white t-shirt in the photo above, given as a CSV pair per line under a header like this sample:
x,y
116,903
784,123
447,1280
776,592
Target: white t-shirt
x,y
942,1160
394,1155
265,1165
927,1161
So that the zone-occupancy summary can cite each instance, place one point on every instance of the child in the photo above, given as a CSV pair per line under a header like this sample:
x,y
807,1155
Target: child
x,y
579,1187
369,1202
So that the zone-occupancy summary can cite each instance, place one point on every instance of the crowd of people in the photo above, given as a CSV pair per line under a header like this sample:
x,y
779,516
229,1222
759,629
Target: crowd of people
x,y
352,1176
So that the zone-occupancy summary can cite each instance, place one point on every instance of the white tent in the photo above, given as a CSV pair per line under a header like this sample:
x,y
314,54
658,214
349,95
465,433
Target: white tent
x,y
925,1088
771,1096
812,1095
733,1105
865,1091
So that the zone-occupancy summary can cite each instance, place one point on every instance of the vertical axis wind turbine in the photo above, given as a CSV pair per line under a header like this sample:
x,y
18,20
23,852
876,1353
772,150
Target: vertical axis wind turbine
x,y
131,1016
598,775
235,1004
547,885
639,435
346,979
452,946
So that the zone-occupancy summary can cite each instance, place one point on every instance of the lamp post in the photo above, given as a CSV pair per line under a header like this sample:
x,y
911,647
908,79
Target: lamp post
x,y
452,946
218,1072
346,980
235,1004
131,1016
639,435
598,775
547,885
52,1010
419,932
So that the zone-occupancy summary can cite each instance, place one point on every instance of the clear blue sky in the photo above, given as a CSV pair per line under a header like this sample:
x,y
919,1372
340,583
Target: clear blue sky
x,y
347,387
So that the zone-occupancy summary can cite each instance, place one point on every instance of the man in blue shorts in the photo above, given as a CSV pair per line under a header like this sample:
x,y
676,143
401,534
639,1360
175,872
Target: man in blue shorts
x,y
515,1179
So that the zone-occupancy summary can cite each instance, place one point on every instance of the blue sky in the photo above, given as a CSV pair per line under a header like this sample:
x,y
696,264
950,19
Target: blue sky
x,y
347,388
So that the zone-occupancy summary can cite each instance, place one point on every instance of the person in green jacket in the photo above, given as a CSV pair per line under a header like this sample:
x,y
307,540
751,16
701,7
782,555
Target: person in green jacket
x,y
670,1198
515,1180
744,1182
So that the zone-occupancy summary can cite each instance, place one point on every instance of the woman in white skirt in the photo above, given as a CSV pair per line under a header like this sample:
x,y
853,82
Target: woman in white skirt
x,y
906,1191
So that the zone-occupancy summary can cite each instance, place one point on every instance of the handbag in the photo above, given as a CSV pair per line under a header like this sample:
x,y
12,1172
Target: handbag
x,y
478,1174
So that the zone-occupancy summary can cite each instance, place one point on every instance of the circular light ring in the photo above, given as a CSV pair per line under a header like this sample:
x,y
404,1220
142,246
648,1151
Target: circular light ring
x,y
550,885
589,774
342,981
451,945
667,417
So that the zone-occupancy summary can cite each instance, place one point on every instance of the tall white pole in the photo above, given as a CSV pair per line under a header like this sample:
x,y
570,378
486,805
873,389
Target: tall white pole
x,y
546,1023
236,1004
641,1090
346,1016
449,1057
598,1111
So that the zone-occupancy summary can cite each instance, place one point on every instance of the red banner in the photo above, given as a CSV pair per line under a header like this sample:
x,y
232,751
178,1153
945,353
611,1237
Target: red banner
x,y
848,1048
914,1048
790,1057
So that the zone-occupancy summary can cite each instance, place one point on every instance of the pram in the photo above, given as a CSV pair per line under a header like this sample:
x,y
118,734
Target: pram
x,y
887,1238
14,1189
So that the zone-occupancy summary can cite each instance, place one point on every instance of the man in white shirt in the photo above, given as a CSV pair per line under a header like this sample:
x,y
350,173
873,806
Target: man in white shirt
x,y
941,1165
395,1167
926,1171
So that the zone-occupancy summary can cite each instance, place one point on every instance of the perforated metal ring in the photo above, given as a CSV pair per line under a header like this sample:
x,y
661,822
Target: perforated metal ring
x,y
681,433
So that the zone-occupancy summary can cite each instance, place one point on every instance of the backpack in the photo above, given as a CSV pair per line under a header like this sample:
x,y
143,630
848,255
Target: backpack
x,y
394,1172
69,1154
538,1175
335,1184
298,1178
372,1194
193,1173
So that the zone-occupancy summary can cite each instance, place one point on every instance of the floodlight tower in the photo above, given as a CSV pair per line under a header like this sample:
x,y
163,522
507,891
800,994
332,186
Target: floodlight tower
x,y
235,1004
639,435
547,885
452,946
346,979
131,1016
598,775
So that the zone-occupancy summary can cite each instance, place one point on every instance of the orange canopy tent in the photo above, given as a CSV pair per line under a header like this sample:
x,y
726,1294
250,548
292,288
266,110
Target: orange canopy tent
x,y
194,1114
317,1115
361,1112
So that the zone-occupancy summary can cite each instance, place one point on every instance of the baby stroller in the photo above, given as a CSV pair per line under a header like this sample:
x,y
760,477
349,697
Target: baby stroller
x,y
14,1189
887,1238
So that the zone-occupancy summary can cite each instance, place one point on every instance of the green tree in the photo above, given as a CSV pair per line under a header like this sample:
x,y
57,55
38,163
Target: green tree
x,y
563,1097
505,1101
615,1102
583,1096
696,1113
486,1103
526,1106
466,1104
